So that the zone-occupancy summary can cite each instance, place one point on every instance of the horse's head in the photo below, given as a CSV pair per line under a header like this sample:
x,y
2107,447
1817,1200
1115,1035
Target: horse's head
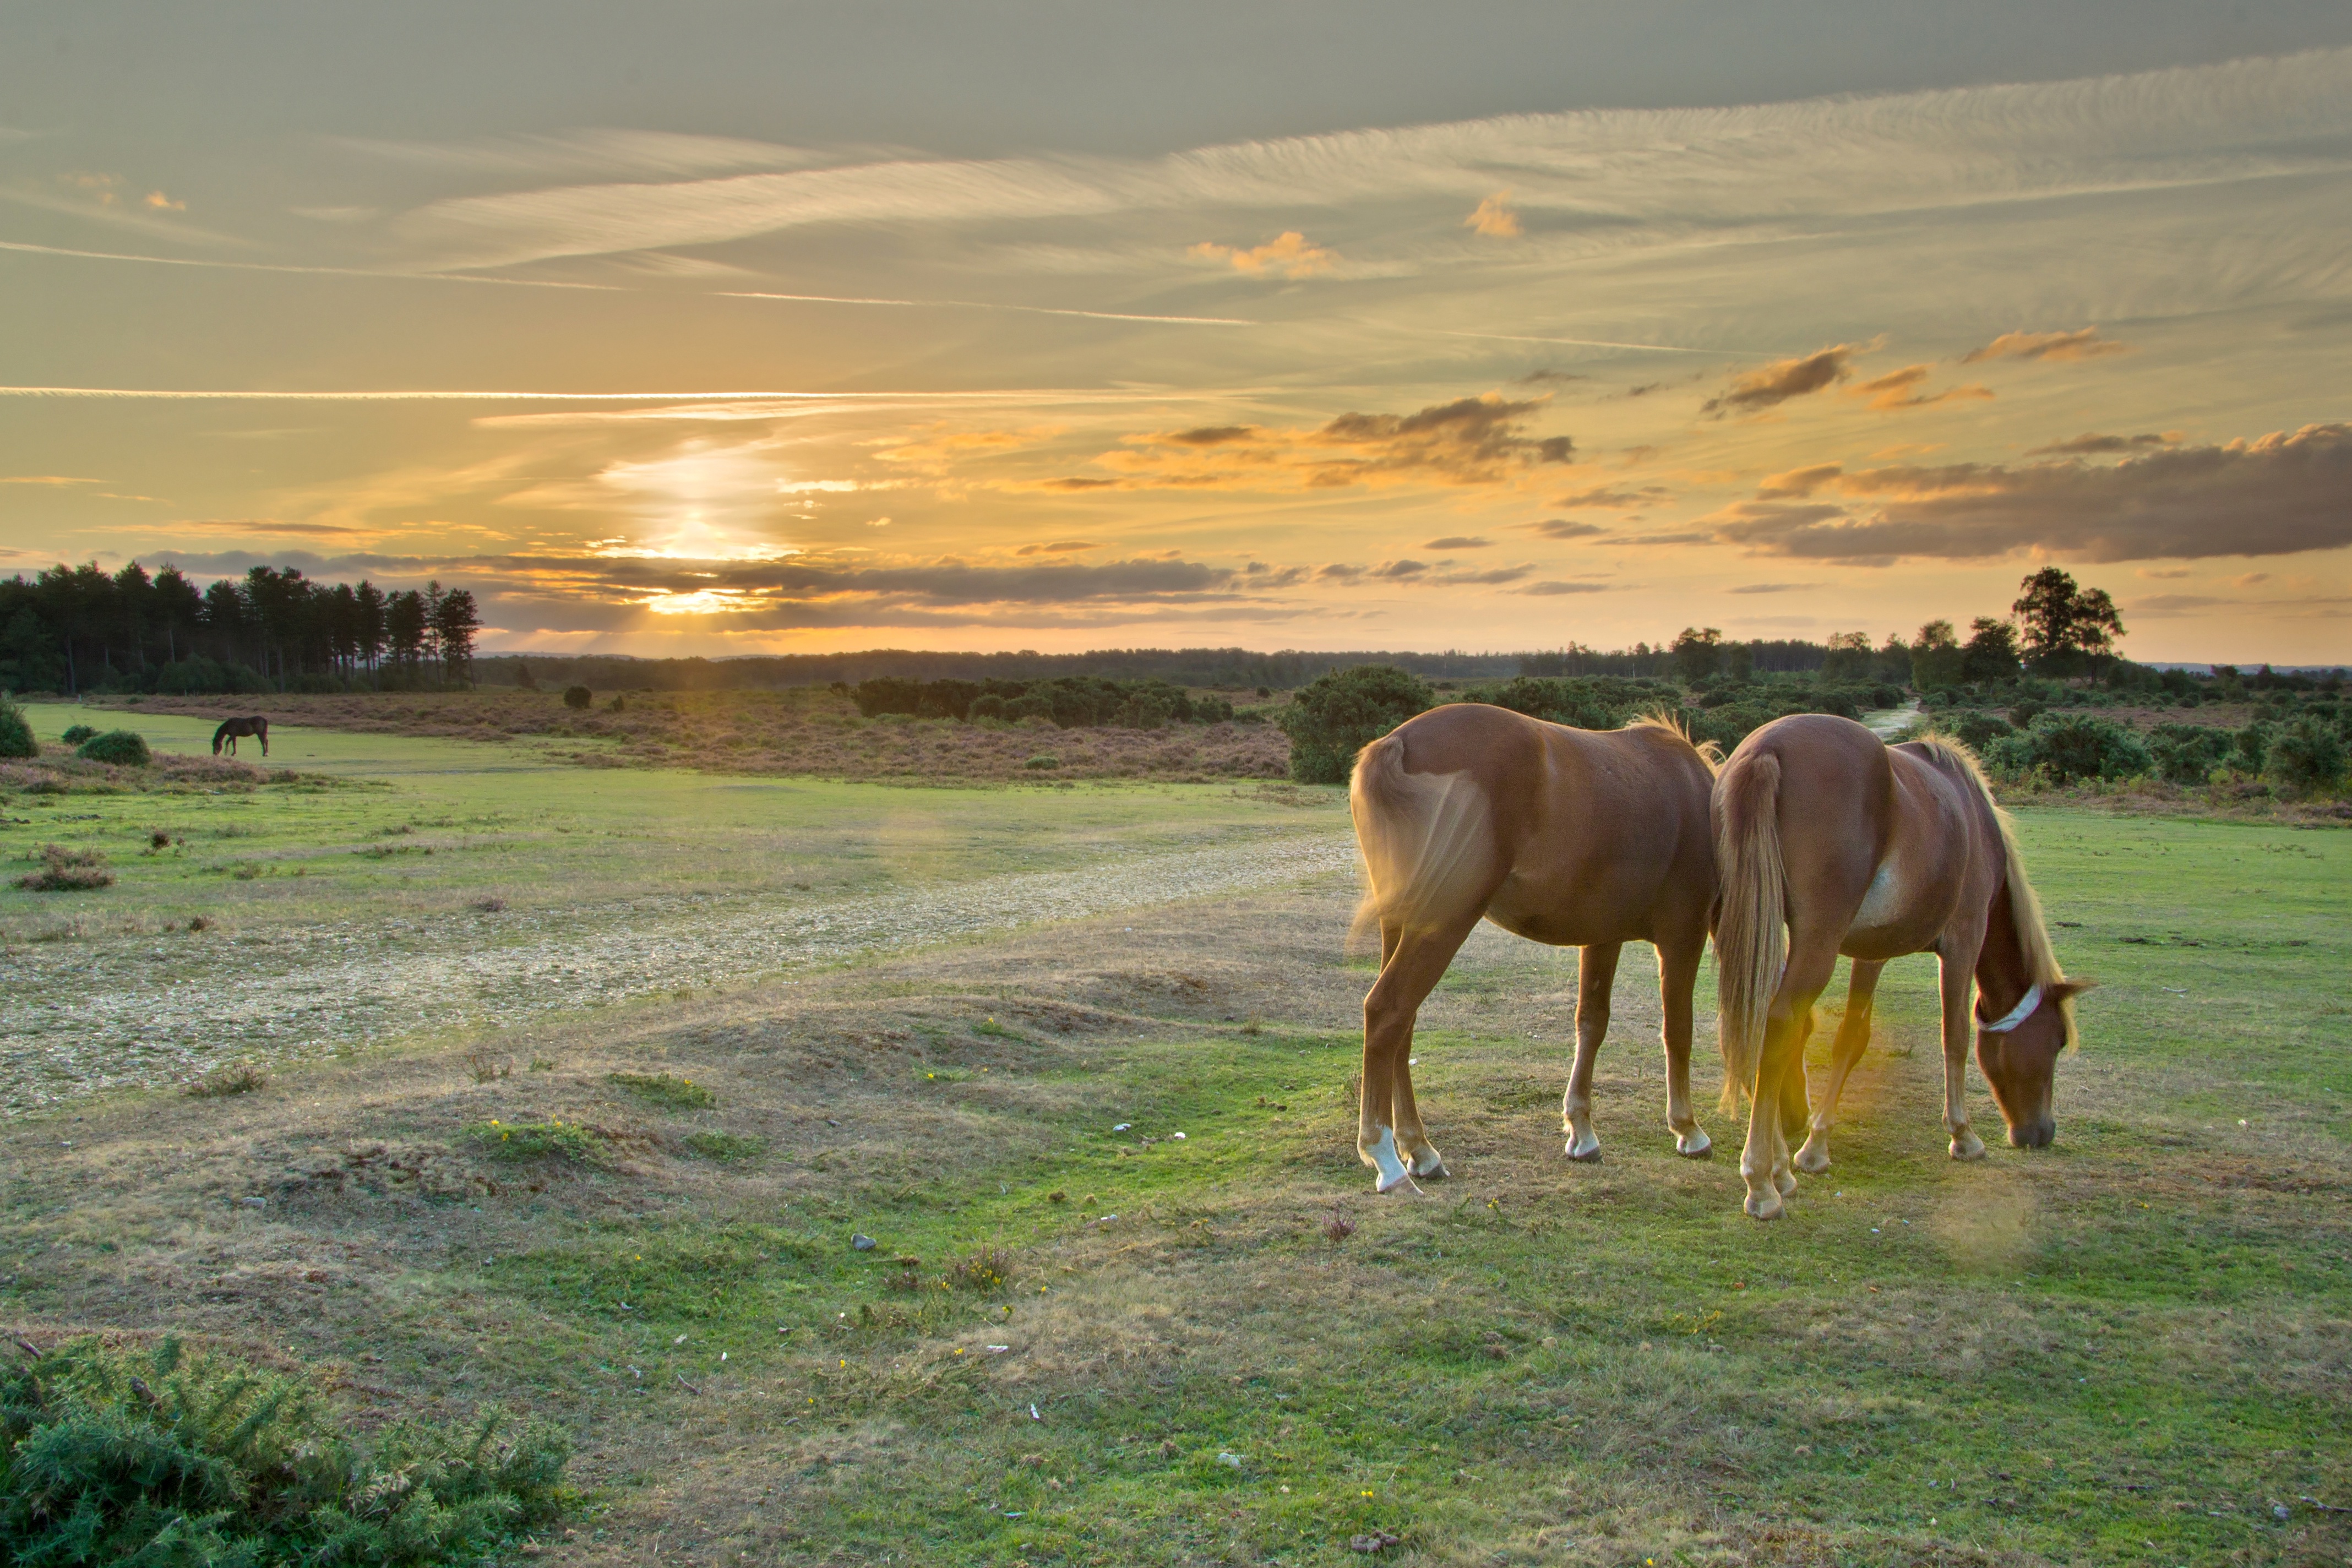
x,y
2020,1062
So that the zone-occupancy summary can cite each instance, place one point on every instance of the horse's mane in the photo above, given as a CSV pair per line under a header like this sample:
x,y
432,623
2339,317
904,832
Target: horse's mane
x,y
2024,906
1671,721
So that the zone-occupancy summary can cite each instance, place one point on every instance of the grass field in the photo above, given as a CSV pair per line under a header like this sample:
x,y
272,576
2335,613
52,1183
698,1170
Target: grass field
x,y
1080,1338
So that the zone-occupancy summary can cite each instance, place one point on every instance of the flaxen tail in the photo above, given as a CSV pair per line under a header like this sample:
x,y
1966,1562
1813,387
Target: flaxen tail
x,y
1751,937
1427,839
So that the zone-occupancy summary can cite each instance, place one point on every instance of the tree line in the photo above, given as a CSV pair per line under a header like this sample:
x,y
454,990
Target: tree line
x,y
76,629
2057,627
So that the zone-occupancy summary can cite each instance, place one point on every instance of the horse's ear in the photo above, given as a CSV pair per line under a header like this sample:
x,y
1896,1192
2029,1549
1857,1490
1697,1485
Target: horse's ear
x,y
2066,989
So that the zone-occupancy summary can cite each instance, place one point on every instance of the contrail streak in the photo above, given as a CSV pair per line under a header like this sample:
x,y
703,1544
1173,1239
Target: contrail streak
x,y
614,288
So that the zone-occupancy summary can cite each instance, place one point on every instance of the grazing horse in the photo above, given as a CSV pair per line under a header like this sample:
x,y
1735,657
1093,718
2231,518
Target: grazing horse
x,y
231,728
1874,851
1574,838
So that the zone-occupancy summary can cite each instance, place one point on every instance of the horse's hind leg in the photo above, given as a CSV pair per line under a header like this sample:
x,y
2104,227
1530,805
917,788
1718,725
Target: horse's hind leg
x,y
1596,972
1852,1039
1677,974
1764,1162
1413,960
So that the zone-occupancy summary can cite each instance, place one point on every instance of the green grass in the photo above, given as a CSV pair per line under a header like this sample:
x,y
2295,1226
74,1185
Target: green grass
x,y
666,1090
549,1140
2128,1349
2125,1350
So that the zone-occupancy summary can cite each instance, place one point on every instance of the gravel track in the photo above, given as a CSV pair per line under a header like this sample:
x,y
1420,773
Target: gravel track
x,y
82,1017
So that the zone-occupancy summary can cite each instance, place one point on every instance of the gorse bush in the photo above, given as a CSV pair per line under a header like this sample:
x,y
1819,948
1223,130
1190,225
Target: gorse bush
x,y
123,748
65,870
77,733
16,731
1338,713
2067,748
176,1458
549,1140
578,697
1067,702
2188,754
2306,755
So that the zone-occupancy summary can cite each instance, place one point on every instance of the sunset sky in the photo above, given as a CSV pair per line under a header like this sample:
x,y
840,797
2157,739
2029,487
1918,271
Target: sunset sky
x,y
731,329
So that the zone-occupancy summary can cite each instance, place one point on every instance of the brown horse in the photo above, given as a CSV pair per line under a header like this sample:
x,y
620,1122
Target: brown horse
x,y
232,728
1568,836
1874,851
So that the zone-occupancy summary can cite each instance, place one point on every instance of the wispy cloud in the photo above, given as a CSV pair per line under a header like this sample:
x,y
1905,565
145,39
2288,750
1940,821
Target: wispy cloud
x,y
2092,445
1899,389
2082,343
1289,255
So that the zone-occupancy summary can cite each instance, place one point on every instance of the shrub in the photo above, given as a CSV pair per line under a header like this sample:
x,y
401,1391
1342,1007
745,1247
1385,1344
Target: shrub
x,y
988,1270
578,697
549,1140
78,733
665,1089
16,731
2306,755
1978,731
2188,754
123,748
115,1454
1043,760
1338,713
2068,747
65,870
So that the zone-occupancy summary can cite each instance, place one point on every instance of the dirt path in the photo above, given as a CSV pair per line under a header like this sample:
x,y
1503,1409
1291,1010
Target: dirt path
x,y
84,1017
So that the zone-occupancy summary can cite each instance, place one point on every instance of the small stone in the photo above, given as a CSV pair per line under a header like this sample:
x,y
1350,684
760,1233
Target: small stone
x,y
862,1243
2281,1511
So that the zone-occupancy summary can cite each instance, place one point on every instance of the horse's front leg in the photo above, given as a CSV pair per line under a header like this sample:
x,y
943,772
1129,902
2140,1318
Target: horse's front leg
x,y
1852,1039
1677,974
1959,1024
1596,974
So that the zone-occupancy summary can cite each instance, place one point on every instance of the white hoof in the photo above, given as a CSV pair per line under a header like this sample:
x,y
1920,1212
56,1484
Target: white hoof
x,y
1812,1161
1766,1205
1430,1165
1382,1156
1693,1145
1584,1146
1967,1145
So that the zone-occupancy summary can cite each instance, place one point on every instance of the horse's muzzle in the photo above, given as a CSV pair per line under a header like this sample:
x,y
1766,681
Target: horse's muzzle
x,y
2033,1134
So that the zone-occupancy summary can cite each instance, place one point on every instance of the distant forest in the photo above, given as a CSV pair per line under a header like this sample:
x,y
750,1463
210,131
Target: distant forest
x,y
80,629
1225,669
76,629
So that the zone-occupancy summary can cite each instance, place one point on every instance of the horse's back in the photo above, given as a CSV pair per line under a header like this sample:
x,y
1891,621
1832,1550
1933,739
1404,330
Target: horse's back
x,y
1599,836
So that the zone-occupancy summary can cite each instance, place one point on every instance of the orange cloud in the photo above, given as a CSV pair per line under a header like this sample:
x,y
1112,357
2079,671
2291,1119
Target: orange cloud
x,y
1058,547
161,203
1494,218
1470,441
1781,380
1290,253
2082,343
1798,482
1893,391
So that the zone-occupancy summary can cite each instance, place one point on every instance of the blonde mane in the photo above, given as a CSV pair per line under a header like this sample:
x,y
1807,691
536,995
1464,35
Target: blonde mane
x,y
1671,721
2024,906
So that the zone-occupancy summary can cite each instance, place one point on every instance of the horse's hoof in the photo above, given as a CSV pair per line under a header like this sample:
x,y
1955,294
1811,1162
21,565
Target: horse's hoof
x,y
1390,1183
1584,1150
1695,1144
1434,1171
1764,1205
1812,1161
1967,1145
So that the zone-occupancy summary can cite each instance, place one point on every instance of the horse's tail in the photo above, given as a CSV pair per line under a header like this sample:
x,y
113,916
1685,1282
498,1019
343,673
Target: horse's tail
x,y
1751,939
1425,838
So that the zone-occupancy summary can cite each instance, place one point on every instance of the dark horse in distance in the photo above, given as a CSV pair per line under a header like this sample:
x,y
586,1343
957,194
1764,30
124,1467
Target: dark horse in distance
x,y
257,726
